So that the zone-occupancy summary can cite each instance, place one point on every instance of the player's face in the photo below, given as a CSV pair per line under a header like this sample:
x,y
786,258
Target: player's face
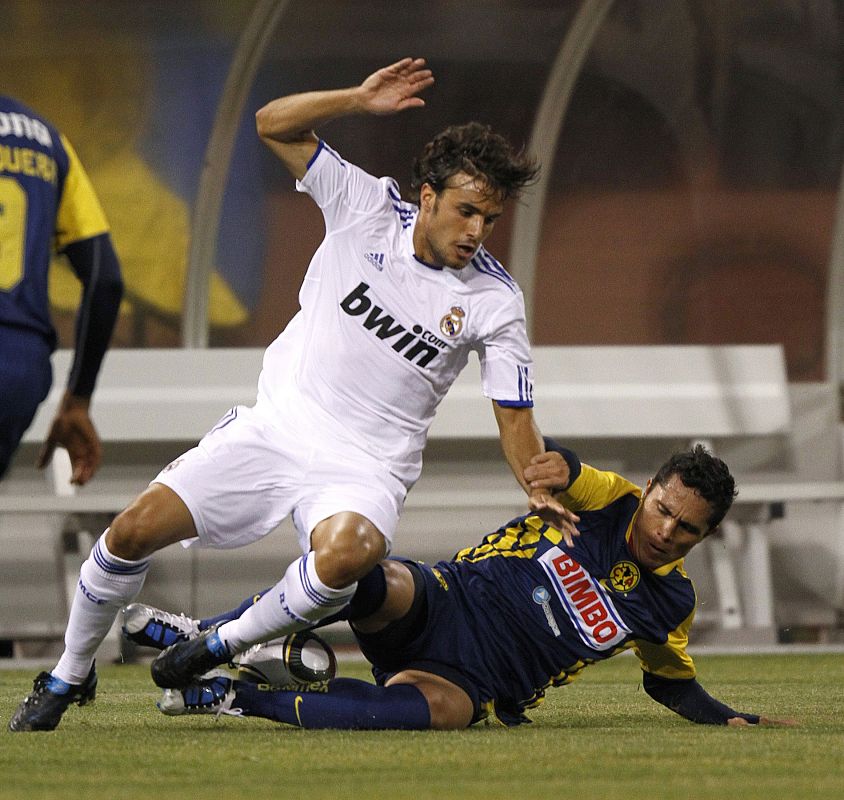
x,y
453,224
671,520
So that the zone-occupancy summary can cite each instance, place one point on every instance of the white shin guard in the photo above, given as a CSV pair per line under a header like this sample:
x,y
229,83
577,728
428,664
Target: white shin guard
x,y
106,584
297,601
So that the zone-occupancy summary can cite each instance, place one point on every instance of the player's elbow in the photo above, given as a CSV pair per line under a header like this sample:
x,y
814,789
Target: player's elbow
x,y
272,127
262,123
112,287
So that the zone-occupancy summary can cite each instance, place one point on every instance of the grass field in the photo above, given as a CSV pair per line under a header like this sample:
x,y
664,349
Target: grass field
x,y
602,737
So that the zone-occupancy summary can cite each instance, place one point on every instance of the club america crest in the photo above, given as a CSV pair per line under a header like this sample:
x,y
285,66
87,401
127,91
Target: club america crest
x,y
452,323
624,576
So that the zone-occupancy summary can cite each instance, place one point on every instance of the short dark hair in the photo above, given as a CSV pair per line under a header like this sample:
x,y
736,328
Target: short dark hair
x,y
709,476
478,151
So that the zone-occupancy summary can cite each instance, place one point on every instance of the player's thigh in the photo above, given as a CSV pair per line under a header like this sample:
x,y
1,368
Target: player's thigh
x,y
340,484
156,518
238,483
25,378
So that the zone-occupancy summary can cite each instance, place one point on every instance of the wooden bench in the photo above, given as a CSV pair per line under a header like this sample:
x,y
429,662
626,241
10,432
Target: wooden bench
x,y
624,395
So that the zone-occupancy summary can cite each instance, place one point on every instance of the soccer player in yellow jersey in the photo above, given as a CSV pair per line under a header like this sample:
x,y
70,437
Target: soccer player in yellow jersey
x,y
485,634
47,204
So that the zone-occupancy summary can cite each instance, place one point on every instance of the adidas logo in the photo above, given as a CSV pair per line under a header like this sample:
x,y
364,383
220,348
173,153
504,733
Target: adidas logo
x,y
376,259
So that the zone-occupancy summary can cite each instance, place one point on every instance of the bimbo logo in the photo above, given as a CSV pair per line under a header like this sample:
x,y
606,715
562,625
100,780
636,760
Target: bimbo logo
x,y
416,343
586,602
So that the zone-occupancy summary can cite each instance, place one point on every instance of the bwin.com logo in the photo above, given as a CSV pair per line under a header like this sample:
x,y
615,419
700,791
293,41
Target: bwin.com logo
x,y
417,345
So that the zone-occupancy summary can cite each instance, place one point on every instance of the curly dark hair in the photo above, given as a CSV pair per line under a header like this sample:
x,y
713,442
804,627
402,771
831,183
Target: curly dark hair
x,y
707,475
478,151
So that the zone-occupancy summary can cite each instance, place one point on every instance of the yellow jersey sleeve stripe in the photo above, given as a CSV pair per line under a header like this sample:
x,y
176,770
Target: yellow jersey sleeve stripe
x,y
595,489
669,660
80,215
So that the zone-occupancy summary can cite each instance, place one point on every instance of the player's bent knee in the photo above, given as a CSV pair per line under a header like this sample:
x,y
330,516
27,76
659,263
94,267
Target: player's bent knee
x,y
444,715
346,549
449,706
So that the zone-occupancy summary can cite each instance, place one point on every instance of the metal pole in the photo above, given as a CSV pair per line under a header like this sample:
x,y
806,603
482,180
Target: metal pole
x,y
527,223
215,169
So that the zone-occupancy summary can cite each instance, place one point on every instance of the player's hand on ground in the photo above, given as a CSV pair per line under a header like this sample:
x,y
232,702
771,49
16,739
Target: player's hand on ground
x,y
72,429
740,722
396,88
547,471
544,504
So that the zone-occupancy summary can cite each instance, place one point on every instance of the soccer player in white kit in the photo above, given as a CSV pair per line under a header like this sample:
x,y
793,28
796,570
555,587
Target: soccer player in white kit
x,y
393,301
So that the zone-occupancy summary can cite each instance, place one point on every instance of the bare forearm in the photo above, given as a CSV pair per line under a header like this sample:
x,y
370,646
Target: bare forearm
x,y
286,125
294,117
520,440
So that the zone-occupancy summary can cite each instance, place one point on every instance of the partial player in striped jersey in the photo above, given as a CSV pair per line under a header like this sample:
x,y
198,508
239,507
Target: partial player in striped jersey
x,y
47,206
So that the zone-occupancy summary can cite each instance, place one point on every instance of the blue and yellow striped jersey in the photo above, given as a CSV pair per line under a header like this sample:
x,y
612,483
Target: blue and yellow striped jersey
x,y
46,203
539,611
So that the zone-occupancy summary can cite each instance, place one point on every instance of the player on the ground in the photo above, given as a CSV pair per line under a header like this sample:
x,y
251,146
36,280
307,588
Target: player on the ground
x,y
394,300
47,204
485,634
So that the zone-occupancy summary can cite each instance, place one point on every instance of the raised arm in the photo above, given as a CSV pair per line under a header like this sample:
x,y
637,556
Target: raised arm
x,y
286,124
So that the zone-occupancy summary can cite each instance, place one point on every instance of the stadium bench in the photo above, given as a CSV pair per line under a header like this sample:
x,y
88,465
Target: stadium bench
x,y
154,403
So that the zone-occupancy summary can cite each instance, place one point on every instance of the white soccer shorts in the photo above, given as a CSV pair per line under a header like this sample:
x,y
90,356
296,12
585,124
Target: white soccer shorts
x,y
247,474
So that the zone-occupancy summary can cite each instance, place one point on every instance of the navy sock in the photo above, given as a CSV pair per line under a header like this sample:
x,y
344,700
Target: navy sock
x,y
347,703
234,613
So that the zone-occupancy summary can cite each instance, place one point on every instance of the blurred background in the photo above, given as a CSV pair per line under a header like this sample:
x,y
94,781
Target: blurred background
x,y
692,165
692,180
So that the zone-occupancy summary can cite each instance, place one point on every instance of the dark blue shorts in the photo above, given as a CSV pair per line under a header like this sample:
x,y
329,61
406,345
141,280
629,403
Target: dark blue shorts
x,y
431,643
25,379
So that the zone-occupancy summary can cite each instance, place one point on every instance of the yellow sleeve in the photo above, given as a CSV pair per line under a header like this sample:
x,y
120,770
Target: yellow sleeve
x,y
596,489
669,660
80,215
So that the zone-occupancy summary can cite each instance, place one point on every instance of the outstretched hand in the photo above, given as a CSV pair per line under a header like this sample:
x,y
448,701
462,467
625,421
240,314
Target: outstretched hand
x,y
396,88
741,722
545,473
72,429
554,513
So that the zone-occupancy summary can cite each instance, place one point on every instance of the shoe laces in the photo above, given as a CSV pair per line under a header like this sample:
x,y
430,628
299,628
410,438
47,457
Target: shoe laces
x,y
179,621
224,708
229,712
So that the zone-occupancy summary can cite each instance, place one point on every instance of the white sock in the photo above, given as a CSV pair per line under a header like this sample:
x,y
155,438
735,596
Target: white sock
x,y
297,601
106,584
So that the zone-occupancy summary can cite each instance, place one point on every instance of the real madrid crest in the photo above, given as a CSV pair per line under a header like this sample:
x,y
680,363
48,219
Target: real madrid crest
x,y
452,323
624,576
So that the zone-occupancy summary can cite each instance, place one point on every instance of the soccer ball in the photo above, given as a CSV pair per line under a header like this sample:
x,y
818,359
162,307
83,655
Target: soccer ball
x,y
297,659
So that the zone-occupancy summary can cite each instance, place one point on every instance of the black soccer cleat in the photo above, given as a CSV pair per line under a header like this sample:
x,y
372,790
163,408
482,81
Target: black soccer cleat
x,y
42,708
181,663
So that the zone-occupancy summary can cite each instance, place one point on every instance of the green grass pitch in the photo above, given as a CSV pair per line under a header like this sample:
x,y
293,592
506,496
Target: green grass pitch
x,y
602,737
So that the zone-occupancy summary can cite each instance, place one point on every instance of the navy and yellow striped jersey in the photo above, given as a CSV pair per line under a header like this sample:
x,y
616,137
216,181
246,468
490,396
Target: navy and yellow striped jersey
x,y
538,612
46,203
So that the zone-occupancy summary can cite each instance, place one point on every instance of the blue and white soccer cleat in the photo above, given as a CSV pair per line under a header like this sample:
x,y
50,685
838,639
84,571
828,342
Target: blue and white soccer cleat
x,y
42,708
211,694
152,627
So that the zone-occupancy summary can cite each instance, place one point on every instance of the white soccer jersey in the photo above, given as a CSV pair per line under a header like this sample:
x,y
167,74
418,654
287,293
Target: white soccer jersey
x,y
381,335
